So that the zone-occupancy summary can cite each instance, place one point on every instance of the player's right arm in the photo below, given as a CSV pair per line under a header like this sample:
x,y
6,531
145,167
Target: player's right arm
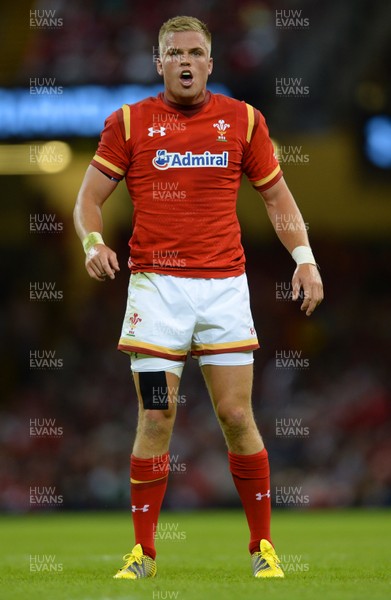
x,y
101,261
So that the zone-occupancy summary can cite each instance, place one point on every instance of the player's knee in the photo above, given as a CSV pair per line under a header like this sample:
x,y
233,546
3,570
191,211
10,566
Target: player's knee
x,y
233,418
157,424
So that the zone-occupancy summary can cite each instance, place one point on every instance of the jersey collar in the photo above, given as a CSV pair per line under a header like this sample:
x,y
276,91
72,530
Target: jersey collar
x,y
186,110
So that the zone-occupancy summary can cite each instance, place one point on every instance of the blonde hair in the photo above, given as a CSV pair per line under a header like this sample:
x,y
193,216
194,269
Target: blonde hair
x,y
183,23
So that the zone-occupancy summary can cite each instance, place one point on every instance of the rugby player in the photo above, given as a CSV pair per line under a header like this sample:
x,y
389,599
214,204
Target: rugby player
x,y
182,155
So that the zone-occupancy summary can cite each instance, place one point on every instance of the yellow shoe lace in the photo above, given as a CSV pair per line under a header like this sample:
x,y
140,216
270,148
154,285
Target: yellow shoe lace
x,y
271,557
132,557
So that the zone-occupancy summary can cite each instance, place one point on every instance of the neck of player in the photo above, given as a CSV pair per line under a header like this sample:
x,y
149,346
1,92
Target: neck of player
x,y
185,100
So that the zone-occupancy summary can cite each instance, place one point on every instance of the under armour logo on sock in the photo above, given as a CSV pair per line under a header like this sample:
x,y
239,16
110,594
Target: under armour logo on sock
x,y
144,508
259,496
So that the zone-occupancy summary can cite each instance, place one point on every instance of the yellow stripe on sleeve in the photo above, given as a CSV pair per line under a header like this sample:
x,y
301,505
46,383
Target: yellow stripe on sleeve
x,y
108,164
250,125
268,178
126,113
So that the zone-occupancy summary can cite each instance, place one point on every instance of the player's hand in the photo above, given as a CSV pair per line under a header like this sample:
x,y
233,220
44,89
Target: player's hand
x,y
101,262
307,277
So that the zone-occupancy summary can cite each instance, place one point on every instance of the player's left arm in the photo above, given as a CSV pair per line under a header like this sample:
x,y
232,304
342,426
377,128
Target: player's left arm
x,y
283,210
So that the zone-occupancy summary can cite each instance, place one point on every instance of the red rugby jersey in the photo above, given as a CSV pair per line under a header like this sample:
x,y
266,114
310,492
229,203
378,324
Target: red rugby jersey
x,y
183,173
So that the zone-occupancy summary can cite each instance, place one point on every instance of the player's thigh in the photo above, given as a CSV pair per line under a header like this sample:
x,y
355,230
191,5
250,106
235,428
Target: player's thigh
x,y
229,386
172,383
157,383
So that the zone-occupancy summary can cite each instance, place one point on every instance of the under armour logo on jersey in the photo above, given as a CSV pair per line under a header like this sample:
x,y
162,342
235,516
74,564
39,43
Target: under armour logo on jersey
x,y
152,130
144,508
259,496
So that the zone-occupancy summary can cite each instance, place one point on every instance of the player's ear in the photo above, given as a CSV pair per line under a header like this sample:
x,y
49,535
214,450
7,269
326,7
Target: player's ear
x,y
210,66
159,67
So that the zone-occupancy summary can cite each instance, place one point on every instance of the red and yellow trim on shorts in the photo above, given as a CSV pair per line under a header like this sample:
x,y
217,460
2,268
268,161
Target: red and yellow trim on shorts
x,y
130,346
225,347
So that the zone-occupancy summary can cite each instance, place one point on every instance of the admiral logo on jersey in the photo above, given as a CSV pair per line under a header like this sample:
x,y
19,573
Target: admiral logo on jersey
x,y
175,160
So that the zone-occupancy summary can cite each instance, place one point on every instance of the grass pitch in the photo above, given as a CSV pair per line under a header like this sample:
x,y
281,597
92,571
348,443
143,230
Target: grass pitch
x,y
336,555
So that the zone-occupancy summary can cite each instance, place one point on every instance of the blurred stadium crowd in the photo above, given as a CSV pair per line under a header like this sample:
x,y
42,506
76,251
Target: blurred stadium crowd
x,y
115,41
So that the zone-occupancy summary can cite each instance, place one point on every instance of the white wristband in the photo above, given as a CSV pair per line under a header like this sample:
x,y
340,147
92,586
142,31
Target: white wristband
x,y
303,255
91,239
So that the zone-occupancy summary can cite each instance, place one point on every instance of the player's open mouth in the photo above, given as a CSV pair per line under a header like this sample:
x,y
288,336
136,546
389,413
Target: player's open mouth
x,y
186,78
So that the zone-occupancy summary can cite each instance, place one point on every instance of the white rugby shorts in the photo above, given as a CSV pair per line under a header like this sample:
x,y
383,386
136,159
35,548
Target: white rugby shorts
x,y
168,316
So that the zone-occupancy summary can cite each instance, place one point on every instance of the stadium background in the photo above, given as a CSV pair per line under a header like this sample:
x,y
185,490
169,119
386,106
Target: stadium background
x,y
337,449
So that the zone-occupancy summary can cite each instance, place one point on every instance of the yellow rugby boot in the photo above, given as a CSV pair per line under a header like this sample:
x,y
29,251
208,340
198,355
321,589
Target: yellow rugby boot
x,y
266,562
137,565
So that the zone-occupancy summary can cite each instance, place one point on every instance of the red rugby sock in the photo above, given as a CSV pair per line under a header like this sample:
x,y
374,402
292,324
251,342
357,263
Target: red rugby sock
x,y
148,482
251,475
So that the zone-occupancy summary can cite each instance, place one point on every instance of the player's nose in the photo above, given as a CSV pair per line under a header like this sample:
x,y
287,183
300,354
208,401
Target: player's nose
x,y
185,59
